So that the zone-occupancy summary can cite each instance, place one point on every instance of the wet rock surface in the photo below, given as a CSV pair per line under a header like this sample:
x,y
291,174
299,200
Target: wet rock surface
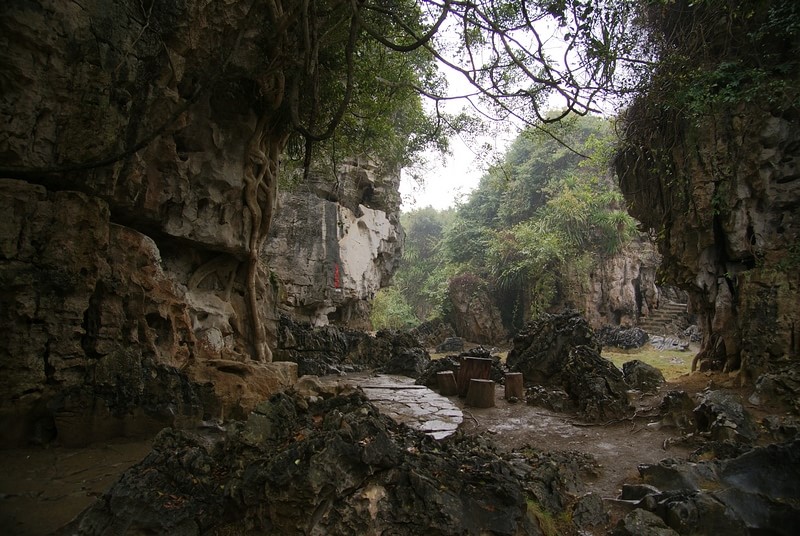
x,y
751,493
334,467
720,414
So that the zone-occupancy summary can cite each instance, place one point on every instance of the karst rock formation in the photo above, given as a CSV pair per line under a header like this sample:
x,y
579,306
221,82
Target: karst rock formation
x,y
124,241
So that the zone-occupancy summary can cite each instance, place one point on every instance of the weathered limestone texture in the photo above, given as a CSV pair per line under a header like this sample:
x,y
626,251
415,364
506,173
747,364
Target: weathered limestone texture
x,y
731,232
125,129
473,312
335,243
98,339
623,290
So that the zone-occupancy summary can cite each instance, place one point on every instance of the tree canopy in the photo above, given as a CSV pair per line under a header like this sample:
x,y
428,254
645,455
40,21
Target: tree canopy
x,y
535,225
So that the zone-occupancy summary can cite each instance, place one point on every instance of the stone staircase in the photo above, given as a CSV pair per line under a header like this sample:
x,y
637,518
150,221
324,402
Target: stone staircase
x,y
659,320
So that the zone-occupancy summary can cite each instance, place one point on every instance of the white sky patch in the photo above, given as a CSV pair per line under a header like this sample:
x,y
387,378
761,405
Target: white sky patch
x,y
448,179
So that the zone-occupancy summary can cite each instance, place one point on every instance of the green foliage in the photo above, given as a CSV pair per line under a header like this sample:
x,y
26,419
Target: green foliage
x,y
424,273
538,221
390,310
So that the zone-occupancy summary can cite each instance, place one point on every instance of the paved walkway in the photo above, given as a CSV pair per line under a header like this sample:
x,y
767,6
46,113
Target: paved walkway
x,y
415,405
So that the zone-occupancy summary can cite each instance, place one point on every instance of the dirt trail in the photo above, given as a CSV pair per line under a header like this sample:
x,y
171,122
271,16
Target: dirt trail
x,y
618,447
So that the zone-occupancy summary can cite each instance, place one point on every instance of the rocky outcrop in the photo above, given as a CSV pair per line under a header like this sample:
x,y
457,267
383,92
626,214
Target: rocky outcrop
x,y
730,242
473,312
717,178
103,335
333,466
335,243
751,493
622,289
562,352
124,150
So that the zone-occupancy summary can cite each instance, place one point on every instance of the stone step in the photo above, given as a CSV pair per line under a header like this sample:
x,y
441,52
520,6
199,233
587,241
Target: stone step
x,y
659,318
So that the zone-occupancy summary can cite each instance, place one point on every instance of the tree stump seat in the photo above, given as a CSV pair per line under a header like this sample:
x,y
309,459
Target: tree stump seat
x,y
446,380
480,393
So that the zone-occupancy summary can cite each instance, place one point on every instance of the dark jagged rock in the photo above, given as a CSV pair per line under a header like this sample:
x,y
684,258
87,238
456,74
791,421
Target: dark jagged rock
x,y
625,338
320,351
722,416
642,523
562,352
781,428
781,386
596,385
589,511
433,332
552,399
337,467
541,348
451,344
677,409
554,479
755,492
639,375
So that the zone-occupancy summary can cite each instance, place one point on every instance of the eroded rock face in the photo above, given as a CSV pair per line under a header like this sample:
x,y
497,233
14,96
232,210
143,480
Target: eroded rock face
x,y
639,375
335,242
731,229
123,153
101,338
474,314
622,290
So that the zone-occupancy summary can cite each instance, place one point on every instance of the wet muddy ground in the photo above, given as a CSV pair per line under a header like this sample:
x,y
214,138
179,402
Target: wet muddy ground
x,y
41,489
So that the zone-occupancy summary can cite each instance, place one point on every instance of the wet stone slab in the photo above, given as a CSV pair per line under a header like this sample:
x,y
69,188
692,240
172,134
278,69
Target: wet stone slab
x,y
403,401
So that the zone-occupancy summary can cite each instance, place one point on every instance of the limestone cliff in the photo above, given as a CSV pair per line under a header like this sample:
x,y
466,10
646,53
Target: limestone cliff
x,y
124,241
711,161
335,243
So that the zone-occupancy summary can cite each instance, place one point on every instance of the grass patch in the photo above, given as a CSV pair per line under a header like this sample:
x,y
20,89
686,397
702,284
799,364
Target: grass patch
x,y
672,363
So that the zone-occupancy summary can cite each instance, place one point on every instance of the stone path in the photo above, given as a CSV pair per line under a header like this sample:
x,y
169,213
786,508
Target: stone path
x,y
415,405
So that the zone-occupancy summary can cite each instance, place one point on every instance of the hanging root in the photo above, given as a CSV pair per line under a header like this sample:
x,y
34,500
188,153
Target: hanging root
x,y
260,192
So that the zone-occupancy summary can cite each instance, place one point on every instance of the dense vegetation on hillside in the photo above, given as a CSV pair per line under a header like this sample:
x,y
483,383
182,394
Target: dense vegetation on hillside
x,y
537,222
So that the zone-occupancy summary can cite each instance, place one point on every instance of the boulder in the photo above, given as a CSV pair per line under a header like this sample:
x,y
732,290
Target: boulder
x,y
434,332
561,352
639,375
677,410
640,522
589,511
721,415
541,347
451,344
754,492
473,311
624,338
778,387
668,343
